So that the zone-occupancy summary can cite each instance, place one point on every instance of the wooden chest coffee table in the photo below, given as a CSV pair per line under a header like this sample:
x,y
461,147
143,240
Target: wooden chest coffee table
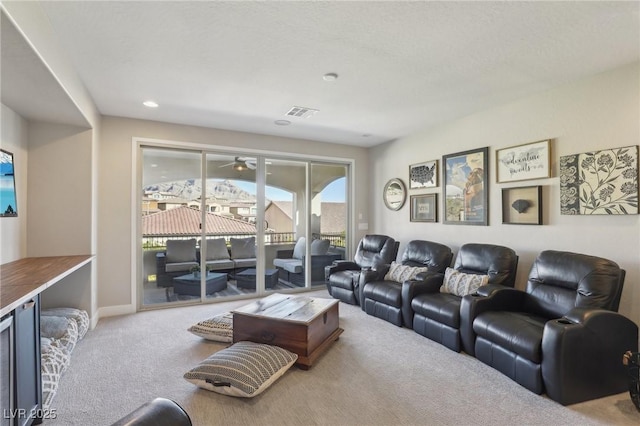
x,y
304,325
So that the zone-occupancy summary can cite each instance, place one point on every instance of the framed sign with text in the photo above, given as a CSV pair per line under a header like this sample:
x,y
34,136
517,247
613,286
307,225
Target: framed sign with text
x,y
523,162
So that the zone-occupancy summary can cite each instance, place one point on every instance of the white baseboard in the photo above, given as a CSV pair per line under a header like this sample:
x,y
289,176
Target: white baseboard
x,y
113,311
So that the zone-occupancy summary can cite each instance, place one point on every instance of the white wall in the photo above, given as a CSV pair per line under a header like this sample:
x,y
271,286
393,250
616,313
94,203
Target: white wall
x,y
115,185
14,229
59,191
597,113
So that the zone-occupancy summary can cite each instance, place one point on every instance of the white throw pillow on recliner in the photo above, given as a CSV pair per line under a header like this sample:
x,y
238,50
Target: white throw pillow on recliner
x,y
460,283
401,273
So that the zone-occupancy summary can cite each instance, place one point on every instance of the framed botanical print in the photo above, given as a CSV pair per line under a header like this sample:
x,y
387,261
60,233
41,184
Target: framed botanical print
x,y
466,187
600,182
423,175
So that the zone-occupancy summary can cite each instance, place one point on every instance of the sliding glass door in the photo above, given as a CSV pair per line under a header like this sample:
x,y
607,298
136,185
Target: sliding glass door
x,y
216,225
170,225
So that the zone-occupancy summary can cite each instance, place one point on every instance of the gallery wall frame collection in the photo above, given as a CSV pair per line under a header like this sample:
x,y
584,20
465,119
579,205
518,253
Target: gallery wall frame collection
x,y
8,198
591,183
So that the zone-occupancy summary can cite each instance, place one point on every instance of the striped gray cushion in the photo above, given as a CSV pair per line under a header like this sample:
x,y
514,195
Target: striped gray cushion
x,y
218,328
244,369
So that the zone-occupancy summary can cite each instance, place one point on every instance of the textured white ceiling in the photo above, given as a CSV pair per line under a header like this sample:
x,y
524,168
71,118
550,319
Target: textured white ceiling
x,y
402,66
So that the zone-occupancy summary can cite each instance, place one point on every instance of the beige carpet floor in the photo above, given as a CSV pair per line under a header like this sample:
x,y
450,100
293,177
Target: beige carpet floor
x,y
375,374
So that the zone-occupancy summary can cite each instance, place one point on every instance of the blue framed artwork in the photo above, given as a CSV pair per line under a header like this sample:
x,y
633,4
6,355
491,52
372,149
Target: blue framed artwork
x,y
8,200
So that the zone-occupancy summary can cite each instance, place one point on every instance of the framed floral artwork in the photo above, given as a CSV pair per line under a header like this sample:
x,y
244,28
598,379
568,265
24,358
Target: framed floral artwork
x,y
600,182
466,187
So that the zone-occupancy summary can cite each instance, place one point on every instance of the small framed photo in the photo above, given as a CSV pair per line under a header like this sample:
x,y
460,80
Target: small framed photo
x,y
423,175
523,162
522,206
424,208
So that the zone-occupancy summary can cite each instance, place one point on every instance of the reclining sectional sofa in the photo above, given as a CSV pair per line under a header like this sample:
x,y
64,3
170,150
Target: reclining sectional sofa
x,y
561,335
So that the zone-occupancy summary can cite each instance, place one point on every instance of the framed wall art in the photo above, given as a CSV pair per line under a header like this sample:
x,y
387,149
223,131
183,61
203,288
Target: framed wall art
x,y
394,194
423,175
424,208
522,162
600,182
466,190
522,206
8,198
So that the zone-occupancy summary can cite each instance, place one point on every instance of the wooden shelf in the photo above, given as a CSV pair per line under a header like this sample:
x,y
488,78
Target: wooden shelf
x,y
24,278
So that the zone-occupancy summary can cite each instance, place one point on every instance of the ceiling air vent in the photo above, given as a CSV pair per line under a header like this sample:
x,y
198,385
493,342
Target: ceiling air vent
x,y
302,112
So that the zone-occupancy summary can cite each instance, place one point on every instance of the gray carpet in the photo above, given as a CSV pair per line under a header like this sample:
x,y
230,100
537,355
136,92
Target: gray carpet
x,y
375,374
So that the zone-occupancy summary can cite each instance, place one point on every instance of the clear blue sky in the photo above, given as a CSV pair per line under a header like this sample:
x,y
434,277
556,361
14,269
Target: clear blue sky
x,y
334,192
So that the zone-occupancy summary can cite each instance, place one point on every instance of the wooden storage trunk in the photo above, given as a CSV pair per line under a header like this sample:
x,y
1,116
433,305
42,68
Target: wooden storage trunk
x,y
304,325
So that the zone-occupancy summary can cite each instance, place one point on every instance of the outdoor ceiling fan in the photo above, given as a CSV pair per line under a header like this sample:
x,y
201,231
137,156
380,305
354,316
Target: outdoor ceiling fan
x,y
241,163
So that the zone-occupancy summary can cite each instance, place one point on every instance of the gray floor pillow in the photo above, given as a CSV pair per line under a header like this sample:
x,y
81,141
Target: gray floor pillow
x,y
244,369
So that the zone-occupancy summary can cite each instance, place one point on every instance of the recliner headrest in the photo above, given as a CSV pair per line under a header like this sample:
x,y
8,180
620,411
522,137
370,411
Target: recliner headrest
x,y
437,257
498,262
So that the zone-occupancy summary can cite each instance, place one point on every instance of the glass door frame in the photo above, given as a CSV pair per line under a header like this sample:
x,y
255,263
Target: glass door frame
x,y
137,146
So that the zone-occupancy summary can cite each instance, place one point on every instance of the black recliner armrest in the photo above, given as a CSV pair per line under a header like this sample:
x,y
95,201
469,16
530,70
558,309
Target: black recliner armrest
x,y
342,265
582,353
427,282
159,412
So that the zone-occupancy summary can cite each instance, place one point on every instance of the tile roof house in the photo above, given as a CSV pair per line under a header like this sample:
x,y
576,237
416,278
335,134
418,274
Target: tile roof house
x,y
186,221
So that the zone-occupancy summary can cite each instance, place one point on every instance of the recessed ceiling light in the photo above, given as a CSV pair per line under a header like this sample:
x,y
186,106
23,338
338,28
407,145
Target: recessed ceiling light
x,y
150,104
282,122
330,76
366,135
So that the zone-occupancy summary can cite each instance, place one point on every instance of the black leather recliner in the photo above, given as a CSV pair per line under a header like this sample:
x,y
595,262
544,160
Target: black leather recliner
x,y
159,412
561,335
437,315
391,300
343,276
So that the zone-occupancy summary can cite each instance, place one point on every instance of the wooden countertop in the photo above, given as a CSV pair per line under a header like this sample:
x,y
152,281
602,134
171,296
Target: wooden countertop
x,y
23,279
